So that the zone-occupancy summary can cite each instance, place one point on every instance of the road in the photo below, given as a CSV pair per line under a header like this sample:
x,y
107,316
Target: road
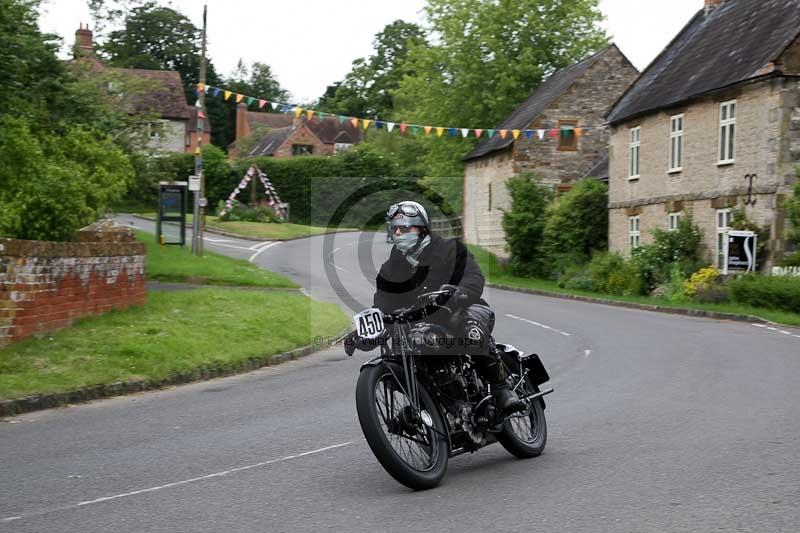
x,y
658,423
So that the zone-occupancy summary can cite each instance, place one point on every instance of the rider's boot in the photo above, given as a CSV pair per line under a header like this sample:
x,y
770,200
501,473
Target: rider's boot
x,y
504,398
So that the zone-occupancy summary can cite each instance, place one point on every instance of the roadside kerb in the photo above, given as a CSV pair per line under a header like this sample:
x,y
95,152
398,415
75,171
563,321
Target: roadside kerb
x,y
699,313
121,388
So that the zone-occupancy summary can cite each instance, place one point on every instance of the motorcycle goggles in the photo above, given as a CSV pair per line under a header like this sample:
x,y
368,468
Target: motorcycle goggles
x,y
408,210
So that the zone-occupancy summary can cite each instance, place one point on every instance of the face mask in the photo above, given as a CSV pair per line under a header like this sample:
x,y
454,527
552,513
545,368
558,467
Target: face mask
x,y
405,241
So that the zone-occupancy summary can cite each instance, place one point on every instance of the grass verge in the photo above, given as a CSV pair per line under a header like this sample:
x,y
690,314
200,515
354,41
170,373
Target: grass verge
x,y
495,274
260,230
174,332
173,263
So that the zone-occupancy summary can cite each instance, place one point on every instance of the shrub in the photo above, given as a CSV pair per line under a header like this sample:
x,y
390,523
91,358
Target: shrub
x,y
793,213
680,246
792,260
524,225
612,274
245,213
772,292
706,286
51,186
577,224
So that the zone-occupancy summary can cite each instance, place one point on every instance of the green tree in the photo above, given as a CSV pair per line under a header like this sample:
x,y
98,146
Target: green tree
x,y
577,224
50,186
524,225
489,55
367,90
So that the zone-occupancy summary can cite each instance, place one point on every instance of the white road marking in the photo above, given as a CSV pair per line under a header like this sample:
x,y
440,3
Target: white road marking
x,y
229,246
179,483
587,353
262,249
776,330
258,246
209,239
543,326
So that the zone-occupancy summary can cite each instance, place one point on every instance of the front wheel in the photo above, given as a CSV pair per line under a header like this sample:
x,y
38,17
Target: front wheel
x,y
411,446
525,434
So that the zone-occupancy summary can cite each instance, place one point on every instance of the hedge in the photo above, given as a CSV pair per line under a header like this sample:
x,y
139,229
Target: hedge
x,y
772,292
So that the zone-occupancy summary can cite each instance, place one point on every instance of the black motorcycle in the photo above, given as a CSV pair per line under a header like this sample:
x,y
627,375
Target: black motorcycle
x,y
421,401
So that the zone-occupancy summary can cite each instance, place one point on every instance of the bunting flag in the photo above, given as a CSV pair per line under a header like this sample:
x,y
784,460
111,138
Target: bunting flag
x,y
416,129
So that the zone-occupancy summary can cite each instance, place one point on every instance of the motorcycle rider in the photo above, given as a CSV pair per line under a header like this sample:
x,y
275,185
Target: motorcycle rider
x,y
420,262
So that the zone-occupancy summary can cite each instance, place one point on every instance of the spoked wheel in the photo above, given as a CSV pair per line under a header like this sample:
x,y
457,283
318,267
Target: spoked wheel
x,y
525,434
411,445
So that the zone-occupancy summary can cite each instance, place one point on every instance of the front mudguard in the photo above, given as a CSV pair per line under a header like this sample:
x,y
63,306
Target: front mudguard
x,y
375,361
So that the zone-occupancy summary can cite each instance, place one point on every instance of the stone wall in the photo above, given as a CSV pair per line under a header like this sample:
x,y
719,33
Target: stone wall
x,y
482,222
767,144
584,104
46,286
171,138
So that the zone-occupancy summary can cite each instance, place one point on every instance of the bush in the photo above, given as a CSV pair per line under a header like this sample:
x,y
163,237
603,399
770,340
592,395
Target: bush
x,y
245,213
577,224
772,292
792,260
681,246
524,225
51,186
612,274
793,213
706,286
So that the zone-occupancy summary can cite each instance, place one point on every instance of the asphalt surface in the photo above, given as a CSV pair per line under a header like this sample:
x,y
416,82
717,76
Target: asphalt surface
x,y
658,423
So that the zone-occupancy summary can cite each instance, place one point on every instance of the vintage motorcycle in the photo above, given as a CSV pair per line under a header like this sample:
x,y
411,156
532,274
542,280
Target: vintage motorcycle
x,y
421,401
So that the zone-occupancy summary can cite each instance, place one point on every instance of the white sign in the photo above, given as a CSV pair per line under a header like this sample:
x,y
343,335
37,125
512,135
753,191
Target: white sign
x,y
203,202
740,251
369,323
194,183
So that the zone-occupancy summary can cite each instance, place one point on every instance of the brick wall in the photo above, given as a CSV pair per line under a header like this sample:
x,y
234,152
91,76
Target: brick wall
x,y
767,144
301,136
46,286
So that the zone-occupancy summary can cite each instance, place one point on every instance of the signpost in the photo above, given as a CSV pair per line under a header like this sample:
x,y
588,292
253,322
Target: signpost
x,y
740,251
171,213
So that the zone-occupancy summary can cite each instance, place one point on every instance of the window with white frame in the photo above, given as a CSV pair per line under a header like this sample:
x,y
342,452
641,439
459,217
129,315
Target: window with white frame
x,y
724,217
634,235
727,132
634,145
676,143
673,221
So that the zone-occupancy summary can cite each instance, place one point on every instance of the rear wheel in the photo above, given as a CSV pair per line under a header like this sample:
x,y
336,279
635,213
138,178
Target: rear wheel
x,y
410,445
525,434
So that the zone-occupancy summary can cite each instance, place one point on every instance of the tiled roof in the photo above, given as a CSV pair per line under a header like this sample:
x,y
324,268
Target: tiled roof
x,y
162,93
547,93
328,129
736,41
272,141
271,120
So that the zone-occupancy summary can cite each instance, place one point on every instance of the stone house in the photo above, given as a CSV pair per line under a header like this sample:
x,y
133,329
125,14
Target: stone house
x,y
284,135
712,125
158,93
572,102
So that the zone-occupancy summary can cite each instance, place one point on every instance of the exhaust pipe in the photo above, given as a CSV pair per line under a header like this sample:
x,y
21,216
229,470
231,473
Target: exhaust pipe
x,y
537,395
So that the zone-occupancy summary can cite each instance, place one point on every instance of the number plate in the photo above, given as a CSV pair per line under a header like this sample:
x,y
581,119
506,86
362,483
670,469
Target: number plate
x,y
369,323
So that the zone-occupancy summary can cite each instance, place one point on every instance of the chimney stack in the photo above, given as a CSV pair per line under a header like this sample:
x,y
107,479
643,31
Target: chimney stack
x,y
711,4
83,41
242,126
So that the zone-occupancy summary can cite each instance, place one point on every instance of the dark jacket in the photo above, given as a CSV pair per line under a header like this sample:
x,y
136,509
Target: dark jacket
x,y
443,261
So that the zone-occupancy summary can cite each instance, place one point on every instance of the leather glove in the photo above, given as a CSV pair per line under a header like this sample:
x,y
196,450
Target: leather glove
x,y
350,343
454,296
